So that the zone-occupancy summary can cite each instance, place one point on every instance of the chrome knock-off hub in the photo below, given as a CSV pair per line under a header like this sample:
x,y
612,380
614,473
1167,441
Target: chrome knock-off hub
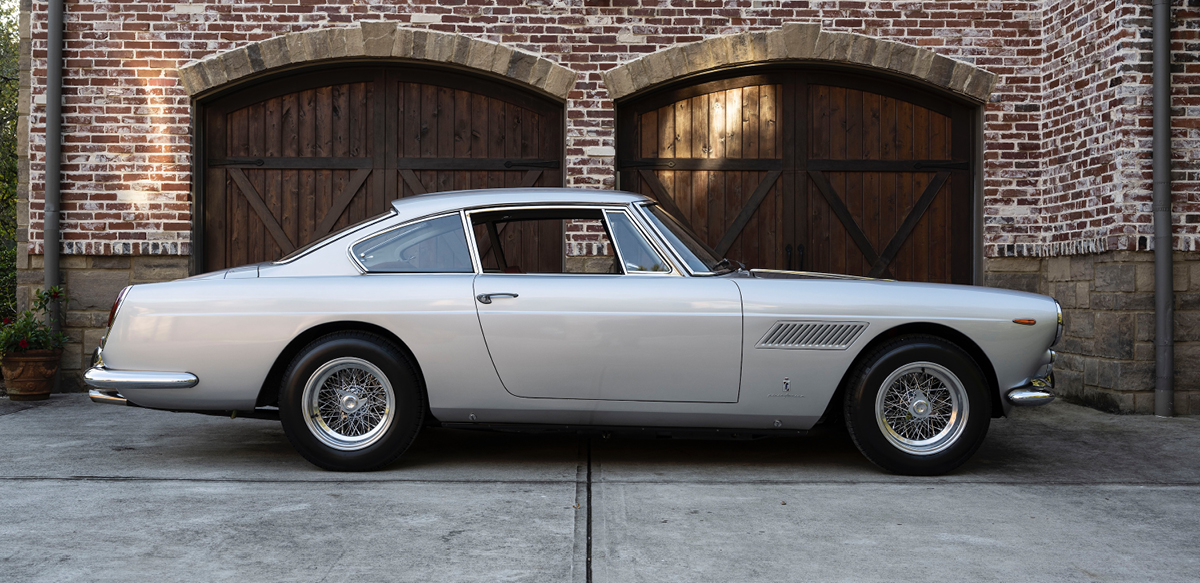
x,y
919,408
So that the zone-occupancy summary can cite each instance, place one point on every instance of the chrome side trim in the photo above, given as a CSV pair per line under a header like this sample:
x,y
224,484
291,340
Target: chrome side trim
x,y
107,397
104,378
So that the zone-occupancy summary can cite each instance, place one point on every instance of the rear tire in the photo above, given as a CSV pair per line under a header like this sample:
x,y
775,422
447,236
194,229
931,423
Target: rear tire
x,y
351,401
918,405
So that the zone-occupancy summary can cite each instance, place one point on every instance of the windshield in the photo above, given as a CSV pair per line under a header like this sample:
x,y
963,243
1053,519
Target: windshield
x,y
329,237
698,257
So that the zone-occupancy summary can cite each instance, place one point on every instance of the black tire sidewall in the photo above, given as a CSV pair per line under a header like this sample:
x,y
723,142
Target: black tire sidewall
x,y
405,423
868,382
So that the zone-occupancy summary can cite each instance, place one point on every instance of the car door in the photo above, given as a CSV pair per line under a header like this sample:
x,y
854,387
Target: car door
x,y
606,325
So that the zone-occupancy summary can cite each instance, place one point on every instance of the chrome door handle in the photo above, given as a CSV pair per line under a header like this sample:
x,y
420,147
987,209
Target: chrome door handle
x,y
487,298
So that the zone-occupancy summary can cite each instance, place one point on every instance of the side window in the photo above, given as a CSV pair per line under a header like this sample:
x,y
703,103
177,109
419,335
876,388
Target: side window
x,y
436,245
636,252
566,240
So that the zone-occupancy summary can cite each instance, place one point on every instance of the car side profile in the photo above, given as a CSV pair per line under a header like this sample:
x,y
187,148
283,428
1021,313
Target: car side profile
x,y
475,309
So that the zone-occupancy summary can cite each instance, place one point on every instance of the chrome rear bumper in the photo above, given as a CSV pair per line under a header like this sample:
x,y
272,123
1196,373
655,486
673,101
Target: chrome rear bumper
x,y
111,381
107,397
103,378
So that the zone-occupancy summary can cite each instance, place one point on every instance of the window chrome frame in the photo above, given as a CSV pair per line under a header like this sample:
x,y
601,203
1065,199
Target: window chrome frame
x,y
645,237
601,208
364,271
666,243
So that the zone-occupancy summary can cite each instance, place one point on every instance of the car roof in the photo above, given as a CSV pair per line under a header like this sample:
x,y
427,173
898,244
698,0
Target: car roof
x,y
427,204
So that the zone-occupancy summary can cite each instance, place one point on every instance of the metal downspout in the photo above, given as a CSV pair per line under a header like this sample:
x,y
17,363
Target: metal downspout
x,y
1164,285
54,66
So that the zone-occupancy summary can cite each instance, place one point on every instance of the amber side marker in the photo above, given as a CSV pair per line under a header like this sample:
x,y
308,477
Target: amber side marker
x,y
1025,321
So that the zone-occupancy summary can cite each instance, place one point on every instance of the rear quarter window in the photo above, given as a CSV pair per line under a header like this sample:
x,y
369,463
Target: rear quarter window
x,y
437,245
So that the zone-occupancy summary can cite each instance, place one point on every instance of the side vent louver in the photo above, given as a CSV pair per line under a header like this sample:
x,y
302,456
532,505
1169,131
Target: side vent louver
x,y
812,335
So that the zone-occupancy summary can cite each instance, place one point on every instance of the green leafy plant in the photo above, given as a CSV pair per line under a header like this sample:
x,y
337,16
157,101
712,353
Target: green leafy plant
x,y
31,329
10,44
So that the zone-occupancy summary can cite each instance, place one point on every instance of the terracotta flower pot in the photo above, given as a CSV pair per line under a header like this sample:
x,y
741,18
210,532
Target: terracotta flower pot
x,y
29,375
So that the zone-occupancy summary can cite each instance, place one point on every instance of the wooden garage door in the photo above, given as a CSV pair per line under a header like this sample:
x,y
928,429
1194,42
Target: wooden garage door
x,y
811,170
292,159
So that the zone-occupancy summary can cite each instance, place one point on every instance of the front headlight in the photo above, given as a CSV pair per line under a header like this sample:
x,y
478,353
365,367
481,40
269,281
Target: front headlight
x,y
1059,332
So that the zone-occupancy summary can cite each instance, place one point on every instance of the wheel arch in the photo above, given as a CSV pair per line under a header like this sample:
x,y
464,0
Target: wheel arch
x,y
268,393
931,329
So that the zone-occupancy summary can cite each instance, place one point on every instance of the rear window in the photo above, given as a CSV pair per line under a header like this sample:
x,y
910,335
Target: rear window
x,y
437,245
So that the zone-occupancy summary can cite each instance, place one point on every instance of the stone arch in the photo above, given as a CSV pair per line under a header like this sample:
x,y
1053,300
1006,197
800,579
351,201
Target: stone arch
x,y
377,40
805,42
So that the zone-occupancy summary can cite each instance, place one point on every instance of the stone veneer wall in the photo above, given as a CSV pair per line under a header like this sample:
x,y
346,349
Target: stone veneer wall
x,y
1106,357
92,284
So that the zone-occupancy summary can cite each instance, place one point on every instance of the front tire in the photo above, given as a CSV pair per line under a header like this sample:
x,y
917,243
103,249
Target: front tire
x,y
351,401
918,405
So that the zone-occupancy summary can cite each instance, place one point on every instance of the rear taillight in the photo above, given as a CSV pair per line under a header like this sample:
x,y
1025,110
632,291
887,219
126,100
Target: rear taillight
x,y
112,314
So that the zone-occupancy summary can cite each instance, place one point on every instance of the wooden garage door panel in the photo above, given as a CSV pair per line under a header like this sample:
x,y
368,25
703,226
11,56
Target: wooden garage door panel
x,y
733,123
337,198
291,160
739,122
858,175
710,202
438,123
848,124
881,203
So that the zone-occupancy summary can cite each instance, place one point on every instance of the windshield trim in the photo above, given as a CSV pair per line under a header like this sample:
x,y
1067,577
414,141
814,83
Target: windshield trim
x,y
644,209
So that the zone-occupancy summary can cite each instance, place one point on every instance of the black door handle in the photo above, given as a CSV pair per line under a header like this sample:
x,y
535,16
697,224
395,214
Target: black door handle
x,y
787,251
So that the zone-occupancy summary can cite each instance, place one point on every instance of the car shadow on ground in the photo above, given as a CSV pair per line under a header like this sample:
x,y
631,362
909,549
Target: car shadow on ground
x,y
1059,443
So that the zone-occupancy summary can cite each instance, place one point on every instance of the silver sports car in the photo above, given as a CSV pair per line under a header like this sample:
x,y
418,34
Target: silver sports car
x,y
538,309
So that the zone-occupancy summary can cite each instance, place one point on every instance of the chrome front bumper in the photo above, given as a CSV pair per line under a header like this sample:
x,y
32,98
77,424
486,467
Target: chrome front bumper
x,y
1037,392
108,383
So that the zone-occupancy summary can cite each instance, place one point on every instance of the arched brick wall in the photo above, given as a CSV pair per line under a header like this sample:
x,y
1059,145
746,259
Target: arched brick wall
x,y
799,42
376,40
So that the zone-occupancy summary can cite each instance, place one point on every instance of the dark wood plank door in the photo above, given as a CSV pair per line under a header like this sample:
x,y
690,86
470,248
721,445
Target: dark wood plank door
x,y
293,159
813,170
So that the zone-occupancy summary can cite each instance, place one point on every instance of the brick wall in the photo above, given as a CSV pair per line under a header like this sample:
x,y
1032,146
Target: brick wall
x,y
128,158
1093,170
1066,132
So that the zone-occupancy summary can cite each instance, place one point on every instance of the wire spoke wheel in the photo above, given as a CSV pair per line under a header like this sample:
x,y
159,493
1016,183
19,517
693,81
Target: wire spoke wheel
x,y
348,403
922,408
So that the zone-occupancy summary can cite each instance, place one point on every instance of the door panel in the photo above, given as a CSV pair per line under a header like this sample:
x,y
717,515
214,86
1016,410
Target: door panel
x,y
811,169
614,337
291,159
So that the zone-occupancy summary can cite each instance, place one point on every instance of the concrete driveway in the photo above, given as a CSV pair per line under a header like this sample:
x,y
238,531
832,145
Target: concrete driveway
x,y
1060,493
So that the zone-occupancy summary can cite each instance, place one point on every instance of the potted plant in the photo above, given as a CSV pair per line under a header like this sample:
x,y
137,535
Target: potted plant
x,y
30,349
